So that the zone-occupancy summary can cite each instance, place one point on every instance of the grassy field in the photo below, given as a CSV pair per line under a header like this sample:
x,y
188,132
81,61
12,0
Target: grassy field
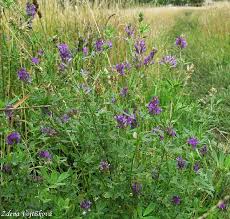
x,y
114,113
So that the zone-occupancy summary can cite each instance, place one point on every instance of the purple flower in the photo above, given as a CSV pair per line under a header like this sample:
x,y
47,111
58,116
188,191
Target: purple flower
x,y
109,44
23,75
180,163
169,60
140,47
159,132
193,142
62,67
149,59
171,132
122,67
86,205
124,120
64,52
124,92
48,131
129,30
85,51
196,167
181,42
136,188
45,154
65,118
13,138
221,205
104,166
35,60
203,150
40,52
176,200
99,45
153,106
113,100
31,9
9,112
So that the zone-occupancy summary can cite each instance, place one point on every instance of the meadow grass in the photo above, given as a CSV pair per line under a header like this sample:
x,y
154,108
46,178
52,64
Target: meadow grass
x,y
88,149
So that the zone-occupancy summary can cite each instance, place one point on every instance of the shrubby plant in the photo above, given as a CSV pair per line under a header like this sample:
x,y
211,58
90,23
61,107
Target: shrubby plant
x,y
88,136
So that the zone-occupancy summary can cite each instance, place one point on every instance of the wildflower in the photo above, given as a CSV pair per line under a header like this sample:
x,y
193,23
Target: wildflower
x,y
122,67
45,154
140,47
176,200
169,60
64,52
171,132
124,120
62,67
65,118
31,9
203,150
104,166
109,44
153,106
85,51
35,60
159,132
129,30
181,42
149,59
7,168
99,45
193,142
136,188
13,138
221,205
40,52
23,75
124,92
86,205
196,167
180,163
9,112
48,131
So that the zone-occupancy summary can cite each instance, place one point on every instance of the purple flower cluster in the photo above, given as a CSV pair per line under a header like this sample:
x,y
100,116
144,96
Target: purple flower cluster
x,y
85,51
100,45
45,154
31,10
23,75
153,106
140,46
64,52
171,132
129,30
86,205
180,163
104,166
136,188
125,120
48,131
176,200
193,142
203,150
124,92
13,138
122,68
181,42
169,60
148,60
221,205
35,60
196,167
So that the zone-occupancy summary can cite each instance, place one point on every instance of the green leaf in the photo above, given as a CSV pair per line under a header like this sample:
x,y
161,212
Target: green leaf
x,y
149,209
